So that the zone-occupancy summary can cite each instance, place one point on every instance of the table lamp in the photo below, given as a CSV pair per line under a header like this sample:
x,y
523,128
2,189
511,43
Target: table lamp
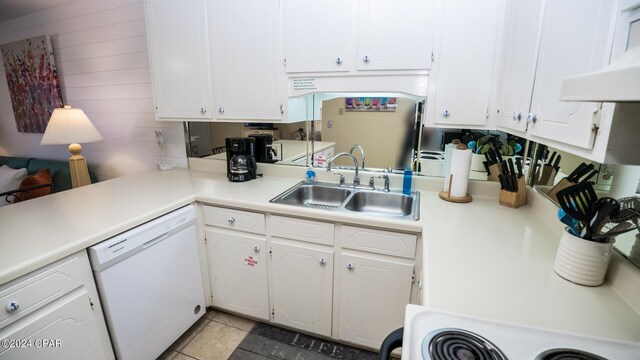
x,y
71,126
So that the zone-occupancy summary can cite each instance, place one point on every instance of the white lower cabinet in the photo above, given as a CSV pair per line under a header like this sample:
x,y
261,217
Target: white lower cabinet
x,y
54,313
373,294
302,286
238,271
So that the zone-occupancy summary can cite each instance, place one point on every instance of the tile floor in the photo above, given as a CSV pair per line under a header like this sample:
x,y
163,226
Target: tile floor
x,y
214,337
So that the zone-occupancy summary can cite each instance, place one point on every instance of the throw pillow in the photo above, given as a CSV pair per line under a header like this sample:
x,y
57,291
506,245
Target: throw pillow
x,y
10,180
40,178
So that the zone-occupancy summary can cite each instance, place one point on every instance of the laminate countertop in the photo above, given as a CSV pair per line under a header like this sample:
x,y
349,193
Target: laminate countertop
x,y
480,259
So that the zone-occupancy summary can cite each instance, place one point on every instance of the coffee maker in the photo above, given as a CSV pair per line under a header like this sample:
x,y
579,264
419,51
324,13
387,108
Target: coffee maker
x,y
241,162
264,148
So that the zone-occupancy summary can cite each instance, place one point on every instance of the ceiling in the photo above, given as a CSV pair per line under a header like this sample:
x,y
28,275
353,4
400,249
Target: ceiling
x,y
11,9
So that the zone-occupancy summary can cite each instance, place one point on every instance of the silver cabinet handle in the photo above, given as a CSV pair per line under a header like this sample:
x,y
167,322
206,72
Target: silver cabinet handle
x,y
338,60
221,110
12,306
256,248
446,113
323,261
532,118
203,110
517,116
350,266
231,221
365,59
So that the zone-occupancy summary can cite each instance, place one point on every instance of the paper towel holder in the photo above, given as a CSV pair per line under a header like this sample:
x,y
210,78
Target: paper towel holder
x,y
444,195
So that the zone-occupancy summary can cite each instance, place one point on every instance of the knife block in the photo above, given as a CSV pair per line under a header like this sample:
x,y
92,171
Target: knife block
x,y
561,185
495,169
514,199
547,176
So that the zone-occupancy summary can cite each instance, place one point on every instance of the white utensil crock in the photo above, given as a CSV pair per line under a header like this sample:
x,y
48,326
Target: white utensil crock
x,y
582,261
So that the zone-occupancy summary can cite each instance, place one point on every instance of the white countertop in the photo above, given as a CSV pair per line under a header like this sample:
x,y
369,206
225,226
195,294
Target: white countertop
x,y
37,232
480,259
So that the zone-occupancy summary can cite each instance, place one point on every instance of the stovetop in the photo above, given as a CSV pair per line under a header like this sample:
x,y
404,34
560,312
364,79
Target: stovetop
x,y
434,335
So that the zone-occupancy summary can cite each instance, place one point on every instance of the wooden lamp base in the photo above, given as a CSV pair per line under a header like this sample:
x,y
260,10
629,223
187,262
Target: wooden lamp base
x,y
78,167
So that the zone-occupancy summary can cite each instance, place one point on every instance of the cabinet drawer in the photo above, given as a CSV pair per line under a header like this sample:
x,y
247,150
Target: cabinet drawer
x,y
234,219
379,241
39,288
305,230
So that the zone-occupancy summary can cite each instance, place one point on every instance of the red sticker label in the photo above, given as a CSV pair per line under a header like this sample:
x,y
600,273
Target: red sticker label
x,y
250,261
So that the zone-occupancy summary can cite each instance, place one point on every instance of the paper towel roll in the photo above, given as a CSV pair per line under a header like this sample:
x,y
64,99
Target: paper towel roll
x,y
460,165
448,149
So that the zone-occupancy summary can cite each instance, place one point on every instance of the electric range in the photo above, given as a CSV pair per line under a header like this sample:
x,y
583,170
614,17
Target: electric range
x,y
435,335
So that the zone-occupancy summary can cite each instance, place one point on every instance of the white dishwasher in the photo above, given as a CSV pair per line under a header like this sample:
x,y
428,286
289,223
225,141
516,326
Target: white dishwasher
x,y
150,284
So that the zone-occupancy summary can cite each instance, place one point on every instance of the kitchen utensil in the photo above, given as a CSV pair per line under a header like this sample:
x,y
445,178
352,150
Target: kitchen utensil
x,y
602,209
572,176
577,201
584,172
503,184
571,223
591,174
553,155
498,156
486,167
556,164
511,167
519,166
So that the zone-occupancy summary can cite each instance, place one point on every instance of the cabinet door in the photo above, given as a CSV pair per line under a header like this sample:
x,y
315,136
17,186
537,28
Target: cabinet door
x,y
247,59
71,328
373,295
519,63
394,35
309,49
569,45
179,56
238,269
302,287
462,72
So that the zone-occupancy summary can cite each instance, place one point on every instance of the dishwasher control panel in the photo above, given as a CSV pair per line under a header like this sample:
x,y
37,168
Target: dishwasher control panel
x,y
146,235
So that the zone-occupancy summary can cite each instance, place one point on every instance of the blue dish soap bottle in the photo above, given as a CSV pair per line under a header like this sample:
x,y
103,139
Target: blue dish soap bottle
x,y
311,176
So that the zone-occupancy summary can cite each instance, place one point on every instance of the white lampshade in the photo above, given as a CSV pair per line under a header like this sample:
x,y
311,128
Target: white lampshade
x,y
69,125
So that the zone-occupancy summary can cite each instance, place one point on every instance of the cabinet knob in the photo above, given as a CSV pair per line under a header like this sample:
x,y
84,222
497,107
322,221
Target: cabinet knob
x,y
12,306
221,110
365,59
517,116
338,60
256,248
231,221
350,266
203,110
446,113
532,118
323,261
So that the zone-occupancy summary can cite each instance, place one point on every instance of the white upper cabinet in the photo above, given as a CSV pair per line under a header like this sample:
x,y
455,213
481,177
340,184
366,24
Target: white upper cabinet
x,y
179,57
318,35
246,59
394,35
522,22
467,33
571,43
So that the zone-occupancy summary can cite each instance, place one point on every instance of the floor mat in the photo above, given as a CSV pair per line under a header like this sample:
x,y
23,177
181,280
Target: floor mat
x,y
270,342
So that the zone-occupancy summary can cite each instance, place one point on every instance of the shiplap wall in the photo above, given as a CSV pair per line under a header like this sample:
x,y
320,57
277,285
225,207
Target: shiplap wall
x,y
100,48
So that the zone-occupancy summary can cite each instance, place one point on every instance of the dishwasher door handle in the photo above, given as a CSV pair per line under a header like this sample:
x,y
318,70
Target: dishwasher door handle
x,y
155,240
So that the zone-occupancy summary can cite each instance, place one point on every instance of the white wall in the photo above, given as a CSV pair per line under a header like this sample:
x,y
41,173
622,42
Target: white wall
x,y
100,48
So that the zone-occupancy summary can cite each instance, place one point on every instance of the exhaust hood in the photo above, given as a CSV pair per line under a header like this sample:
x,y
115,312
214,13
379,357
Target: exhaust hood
x,y
617,82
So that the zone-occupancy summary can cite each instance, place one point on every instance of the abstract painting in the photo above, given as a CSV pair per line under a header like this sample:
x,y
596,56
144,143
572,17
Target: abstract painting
x,y
33,82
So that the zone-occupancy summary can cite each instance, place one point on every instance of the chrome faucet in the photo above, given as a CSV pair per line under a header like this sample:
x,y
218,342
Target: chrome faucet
x,y
384,177
356,178
356,146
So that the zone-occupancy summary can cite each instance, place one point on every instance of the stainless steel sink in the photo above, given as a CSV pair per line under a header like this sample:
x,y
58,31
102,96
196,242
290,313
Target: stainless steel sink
x,y
318,196
362,200
389,204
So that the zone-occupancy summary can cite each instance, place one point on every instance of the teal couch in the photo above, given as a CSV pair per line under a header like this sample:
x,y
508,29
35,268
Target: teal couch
x,y
59,169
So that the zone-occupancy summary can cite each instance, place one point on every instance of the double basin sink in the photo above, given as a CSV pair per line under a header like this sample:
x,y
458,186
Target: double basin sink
x,y
333,197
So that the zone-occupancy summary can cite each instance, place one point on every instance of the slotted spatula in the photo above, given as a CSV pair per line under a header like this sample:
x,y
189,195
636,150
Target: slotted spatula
x,y
577,201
